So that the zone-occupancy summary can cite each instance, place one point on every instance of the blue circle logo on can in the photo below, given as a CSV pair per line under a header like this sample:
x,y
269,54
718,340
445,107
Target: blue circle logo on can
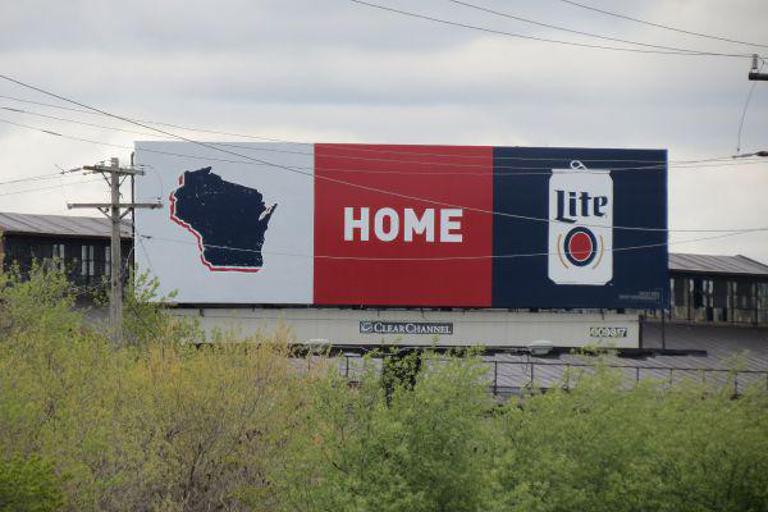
x,y
580,246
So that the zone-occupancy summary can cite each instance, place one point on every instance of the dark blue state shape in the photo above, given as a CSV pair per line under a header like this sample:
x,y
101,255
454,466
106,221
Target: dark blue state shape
x,y
228,220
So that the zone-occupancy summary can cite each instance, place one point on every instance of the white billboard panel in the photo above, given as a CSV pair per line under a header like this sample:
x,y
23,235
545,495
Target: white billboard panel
x,y
401,327
261,248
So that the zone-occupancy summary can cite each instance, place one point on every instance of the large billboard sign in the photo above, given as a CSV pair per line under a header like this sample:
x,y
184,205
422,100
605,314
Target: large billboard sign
x,y
409,226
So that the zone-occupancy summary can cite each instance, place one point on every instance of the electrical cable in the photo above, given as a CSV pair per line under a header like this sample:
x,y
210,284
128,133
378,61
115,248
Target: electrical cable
x,y
25,191
660,163
679,51
312,176
308,172
441,258
665,27
691,164
39,177
558,27
337,148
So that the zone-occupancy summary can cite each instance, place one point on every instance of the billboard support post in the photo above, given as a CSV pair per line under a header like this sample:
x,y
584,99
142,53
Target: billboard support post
x,y
112,211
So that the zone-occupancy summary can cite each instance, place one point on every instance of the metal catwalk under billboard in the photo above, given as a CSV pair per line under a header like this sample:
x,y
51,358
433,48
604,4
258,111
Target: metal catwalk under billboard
x,y
405,225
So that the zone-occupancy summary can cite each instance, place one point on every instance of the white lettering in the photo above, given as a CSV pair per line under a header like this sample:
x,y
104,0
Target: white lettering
x,y
387,225
350,224
419,226
447,224
394,224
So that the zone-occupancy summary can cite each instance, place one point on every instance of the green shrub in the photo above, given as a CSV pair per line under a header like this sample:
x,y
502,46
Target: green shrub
x,y
29,486
160,424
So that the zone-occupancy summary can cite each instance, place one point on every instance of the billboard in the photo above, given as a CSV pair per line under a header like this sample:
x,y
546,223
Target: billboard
x,y
405,225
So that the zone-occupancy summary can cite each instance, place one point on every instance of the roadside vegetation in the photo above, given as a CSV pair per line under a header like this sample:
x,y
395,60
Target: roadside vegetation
x,y
161,424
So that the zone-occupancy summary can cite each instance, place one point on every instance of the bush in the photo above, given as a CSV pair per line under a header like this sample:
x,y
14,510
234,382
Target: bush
x,y
429,449
159,424
28,486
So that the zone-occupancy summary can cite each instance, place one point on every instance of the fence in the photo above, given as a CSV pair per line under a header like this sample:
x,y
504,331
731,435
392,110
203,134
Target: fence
x,y
514,377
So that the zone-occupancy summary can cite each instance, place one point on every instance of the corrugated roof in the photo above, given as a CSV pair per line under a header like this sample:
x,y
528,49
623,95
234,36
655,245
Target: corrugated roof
x,y
716,264
59,225
728,348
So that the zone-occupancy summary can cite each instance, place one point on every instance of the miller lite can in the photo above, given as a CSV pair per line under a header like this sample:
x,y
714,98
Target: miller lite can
x,y
580,226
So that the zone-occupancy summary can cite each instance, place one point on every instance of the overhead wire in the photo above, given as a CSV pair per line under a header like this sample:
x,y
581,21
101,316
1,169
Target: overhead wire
x,y
682,164
52,187
662,26
359,186
39,177
308,172
443,21
335,147
438,258
522,19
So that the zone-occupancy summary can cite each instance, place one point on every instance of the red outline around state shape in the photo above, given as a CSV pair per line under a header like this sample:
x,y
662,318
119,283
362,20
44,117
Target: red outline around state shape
x,y
211,266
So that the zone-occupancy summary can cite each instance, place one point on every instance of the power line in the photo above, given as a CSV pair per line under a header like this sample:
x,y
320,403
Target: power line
x,y
559,27
728,163
39,177
337,148
38,189
308,170
660,166
438,258
679,51
682,164
665,27
308,173
358,186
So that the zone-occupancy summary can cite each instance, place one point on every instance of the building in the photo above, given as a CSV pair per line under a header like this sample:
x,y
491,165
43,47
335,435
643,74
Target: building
x,y
725,290
718,289
79,245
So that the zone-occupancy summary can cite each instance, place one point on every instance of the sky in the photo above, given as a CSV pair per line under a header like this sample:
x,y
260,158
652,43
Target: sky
x,y
338,71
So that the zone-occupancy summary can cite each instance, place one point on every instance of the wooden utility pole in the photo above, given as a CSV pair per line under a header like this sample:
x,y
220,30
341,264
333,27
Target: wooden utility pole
x,y
115,211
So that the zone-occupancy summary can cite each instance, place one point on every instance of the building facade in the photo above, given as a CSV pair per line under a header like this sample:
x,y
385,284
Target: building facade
x,y
79,246
718,289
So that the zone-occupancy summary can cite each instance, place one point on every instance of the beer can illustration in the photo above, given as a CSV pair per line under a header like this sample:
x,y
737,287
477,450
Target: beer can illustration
x,y
580,226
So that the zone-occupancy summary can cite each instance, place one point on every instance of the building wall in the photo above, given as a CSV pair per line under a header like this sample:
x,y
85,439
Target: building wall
x,y
85,260
708,298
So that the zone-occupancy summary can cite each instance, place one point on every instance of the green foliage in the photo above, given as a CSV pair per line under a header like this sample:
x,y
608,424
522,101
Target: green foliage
x,y
602,447
146,319
160,424
29,486
428,449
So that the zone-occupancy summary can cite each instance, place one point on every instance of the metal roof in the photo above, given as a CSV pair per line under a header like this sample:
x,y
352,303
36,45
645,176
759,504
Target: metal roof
x,y
59,225
703,263
740,349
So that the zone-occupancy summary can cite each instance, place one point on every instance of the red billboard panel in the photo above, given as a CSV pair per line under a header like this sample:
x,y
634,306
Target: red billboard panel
x,y
403,225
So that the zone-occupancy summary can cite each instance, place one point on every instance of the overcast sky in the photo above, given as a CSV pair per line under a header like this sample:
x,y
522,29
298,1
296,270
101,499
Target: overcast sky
x,y
335,71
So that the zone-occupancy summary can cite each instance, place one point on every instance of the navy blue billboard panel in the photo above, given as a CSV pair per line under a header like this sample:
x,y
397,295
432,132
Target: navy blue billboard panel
x,y
579,228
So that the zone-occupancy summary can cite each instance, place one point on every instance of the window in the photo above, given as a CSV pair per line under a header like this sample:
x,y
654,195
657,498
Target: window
x,y
88,262
58,255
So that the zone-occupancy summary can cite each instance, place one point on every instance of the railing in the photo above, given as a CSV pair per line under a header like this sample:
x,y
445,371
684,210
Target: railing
x,y
513,377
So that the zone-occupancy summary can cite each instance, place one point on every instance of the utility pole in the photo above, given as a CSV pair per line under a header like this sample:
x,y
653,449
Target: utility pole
x,y
115,175
754,73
